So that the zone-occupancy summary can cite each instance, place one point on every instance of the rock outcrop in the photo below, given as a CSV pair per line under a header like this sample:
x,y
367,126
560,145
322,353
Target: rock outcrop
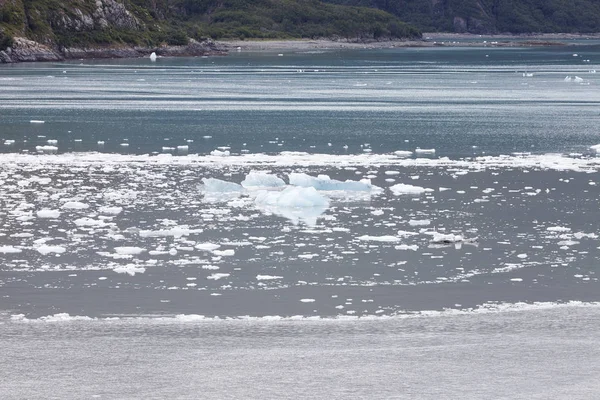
x,y
25,50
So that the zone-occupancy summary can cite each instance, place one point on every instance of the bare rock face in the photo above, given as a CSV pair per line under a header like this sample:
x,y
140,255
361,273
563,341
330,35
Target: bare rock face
x,y
111,13
107,14
28,50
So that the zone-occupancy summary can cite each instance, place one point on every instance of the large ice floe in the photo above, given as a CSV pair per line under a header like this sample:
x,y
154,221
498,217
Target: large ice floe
x,y
220,186
292,197
261,179
324,182
297,204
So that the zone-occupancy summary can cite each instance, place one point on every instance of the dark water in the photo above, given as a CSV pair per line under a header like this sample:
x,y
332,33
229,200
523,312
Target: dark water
x,y
123,276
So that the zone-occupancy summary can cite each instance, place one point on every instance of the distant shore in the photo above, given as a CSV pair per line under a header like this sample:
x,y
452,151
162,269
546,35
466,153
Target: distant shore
x,y
429,40
26,50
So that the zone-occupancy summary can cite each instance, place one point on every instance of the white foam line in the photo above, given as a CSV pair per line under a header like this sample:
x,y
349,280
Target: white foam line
x,y
556,162
487,308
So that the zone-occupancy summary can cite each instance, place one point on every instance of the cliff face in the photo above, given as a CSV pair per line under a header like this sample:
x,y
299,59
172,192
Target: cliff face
x,y
53,30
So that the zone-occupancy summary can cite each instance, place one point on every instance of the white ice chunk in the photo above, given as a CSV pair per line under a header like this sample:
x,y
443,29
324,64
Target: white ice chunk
x,y
110,210
153,56
402,188
74,205
129,250
46,213
220,186
419,150
268,277
130,269
177,231
9,249
47,249
324,182
292,197
259,179
207,246
218,275
219,153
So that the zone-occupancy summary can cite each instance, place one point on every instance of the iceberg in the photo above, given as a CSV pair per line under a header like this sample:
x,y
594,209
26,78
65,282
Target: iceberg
x,y
324,182
153,56
260,179
297,204
292,197
219,153
596,148
219,186
402,188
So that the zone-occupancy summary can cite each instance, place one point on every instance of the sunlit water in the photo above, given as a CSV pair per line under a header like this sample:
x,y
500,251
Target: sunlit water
x,y
104,212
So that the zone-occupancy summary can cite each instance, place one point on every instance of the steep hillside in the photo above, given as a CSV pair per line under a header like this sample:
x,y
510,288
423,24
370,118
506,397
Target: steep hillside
x,y
62,24
492,16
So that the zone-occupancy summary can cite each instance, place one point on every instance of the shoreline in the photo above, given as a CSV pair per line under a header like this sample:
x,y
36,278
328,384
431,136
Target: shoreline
x,y
429,40
29,51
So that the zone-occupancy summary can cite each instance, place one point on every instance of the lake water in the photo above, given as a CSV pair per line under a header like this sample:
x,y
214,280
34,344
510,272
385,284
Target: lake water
x,y
471,239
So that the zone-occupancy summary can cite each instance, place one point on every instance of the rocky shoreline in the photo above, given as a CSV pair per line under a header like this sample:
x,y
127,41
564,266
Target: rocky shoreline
x,y
25,50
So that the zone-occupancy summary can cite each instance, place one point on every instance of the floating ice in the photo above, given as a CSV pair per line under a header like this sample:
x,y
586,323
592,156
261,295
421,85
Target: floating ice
x,y
207,246
218,275
47,249
130,269
9,249
220,153
292,197
419,150
401,189
153,56
268,277
36,121
177,231
110,210
403,153
596,148
385,238
259,179
419,222
50,214
578,79
307,300
74,205
46,149
324,182
219,186
129,250
85,221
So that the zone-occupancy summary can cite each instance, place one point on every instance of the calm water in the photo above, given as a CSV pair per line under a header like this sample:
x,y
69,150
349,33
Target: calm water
x,y
104,215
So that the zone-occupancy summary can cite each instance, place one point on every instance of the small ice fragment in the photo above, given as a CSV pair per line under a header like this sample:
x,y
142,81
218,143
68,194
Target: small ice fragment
x,y
401,189
419,150
268,277
307,300
47,249
36,121
50,214
129,269
153,56
129,250
216,276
